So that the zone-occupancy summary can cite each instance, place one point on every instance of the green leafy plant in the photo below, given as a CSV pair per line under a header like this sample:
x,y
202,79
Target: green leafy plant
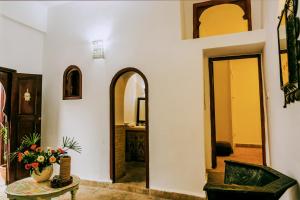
x,y
33,138
70,143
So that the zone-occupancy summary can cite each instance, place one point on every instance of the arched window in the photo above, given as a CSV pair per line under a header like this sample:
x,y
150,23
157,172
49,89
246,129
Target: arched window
x,y
221,17
72,83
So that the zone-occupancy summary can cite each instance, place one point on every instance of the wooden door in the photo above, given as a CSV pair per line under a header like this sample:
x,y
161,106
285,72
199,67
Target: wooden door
x,y
25,116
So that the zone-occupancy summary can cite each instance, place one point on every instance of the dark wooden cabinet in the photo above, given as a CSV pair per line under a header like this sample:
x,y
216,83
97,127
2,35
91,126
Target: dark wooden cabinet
x,y
135,145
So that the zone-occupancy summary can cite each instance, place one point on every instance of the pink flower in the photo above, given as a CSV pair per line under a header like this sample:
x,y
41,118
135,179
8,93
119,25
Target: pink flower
x,y
35,165
27,166
60,150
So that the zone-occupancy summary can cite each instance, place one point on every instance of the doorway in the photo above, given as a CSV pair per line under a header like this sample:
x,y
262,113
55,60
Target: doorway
x,y
19,116
237,110
129,128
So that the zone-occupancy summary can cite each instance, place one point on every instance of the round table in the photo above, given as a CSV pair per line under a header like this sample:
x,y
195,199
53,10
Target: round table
x,y
29,189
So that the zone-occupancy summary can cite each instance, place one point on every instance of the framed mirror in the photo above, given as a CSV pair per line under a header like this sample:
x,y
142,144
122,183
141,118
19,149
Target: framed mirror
x,y
289,51
282,43
141,111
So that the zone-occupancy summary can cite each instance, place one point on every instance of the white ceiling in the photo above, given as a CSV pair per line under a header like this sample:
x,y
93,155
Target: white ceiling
x,y
49,4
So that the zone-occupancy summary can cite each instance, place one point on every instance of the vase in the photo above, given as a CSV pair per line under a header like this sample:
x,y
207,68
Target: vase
x,y
65,169
44,175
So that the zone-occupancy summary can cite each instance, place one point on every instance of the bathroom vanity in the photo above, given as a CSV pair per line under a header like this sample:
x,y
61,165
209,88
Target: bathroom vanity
x,y
135,143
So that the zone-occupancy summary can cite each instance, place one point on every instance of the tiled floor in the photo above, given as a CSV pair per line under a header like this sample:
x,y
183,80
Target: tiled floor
x,y
97,193
134,179
135,174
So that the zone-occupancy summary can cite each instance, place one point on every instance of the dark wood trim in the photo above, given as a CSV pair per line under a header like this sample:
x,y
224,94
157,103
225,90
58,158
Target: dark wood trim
x,y
69,69
112,121
199,8
212,114
8,70
12,166
249,145
212,103
262,110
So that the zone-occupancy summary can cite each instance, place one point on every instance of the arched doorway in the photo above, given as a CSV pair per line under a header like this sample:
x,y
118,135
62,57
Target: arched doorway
x,y
113,122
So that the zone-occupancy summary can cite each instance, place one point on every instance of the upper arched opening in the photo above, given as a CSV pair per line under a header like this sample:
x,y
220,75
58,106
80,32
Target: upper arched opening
x,y
221,17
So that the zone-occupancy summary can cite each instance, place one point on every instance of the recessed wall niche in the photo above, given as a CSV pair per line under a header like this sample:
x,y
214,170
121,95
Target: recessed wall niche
x,y
72,83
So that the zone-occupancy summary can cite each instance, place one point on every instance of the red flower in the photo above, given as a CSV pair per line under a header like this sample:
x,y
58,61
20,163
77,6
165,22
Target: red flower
x,y
35,165
52,151
33,147
20,157
60,150
27,166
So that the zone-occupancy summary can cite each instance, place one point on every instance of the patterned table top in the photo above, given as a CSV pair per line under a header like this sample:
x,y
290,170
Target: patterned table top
x,y
29,188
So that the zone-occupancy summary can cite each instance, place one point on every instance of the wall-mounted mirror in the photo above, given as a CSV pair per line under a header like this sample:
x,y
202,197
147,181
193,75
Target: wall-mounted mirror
x,y
289,51
141,110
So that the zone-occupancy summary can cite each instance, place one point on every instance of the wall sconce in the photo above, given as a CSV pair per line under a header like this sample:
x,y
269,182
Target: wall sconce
x,y
98,51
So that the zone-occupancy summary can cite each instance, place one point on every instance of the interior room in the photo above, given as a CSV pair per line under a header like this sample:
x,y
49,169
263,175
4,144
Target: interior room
x,y
236,89
183,99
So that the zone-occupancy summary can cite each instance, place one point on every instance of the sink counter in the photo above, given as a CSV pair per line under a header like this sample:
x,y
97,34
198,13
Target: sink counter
x,y
135,128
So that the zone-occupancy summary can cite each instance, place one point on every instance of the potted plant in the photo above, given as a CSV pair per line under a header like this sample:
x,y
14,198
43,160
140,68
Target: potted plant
x,y
39,162
4,135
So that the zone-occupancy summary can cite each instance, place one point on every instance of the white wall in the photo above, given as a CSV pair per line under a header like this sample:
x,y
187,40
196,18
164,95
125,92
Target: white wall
x,y
283,123
135,88
21,47
133,36
29,13
130,100
222,94
245,101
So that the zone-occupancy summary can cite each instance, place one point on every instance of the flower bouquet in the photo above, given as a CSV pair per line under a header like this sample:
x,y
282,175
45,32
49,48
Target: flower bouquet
x,y
39,162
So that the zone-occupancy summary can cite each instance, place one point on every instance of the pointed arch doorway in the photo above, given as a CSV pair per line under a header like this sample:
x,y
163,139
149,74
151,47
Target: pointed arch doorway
x,y
113,122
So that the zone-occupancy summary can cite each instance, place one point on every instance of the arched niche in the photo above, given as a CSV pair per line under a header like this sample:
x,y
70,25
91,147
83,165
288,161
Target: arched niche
x,y
221,17
72,83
